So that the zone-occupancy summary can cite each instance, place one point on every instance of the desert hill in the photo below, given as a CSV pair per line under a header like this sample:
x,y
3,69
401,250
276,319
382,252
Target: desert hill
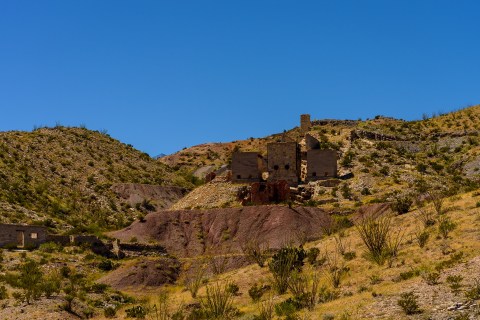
x,y
378,158
66,175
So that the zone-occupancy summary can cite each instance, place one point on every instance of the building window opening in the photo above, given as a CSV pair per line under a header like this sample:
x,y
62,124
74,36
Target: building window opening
x,y
275,167
326,174
33,235
239,176
314,174
287,166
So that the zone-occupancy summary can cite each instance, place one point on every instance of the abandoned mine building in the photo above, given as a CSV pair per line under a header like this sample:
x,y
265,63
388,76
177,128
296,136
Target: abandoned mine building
x,y
247,166
284,161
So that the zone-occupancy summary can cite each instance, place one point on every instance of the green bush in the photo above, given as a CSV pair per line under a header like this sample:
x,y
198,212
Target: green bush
x,y
401,204
3,293
110,312
473,292
256,292
445,226
138,312
283,263
106,265
312,255
50,247
408,303
232,288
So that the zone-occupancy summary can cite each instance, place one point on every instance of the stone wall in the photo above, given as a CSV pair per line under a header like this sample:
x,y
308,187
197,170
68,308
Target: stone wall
x,y
246,167
321,164
22,235
284,162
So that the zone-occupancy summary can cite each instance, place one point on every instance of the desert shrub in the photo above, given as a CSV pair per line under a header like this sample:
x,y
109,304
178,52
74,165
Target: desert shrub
x,y
218,302
455,283
335,270
401,204
426,216
437,201
453,260
375,279
232,288
422,238
328,316
348,159
30,280
304,289
266,311
286,309
445,226
109,312
256,252
376,233
431,277
194,278
473,292
50,247
106,265
408,274
51,284
138,312
326,295
256,292
283,263
312,255
3,293
408,303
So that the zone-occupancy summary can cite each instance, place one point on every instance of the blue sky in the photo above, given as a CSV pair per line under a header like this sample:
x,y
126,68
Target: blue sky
x,y
163,75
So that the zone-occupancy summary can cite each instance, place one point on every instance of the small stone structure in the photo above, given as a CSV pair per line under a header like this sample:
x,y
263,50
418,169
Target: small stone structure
x,y
284,162
247,167
321,164
22,236
305,123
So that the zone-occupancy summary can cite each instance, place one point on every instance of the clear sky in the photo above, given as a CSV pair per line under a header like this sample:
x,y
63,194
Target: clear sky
x,y
163,75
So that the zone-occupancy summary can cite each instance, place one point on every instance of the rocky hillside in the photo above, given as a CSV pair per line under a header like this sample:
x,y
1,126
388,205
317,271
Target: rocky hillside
x,y
378,158
65,175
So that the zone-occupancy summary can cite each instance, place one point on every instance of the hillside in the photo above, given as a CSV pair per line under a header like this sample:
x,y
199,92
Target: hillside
x,y
66,175
378,158
442,272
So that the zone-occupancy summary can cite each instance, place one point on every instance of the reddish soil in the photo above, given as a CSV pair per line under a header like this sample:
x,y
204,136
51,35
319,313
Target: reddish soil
x,y
188,233
146,273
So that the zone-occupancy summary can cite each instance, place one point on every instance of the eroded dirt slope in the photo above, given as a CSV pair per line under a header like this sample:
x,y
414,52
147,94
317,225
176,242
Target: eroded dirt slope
x,y
194,232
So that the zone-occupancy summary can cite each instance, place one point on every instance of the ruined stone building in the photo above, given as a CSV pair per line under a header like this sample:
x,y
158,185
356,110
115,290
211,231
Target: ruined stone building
x,y
284,162
22,236
321,164
247,167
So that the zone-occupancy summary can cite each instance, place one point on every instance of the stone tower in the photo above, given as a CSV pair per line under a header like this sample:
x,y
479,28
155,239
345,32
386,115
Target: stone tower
x,y
305,122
